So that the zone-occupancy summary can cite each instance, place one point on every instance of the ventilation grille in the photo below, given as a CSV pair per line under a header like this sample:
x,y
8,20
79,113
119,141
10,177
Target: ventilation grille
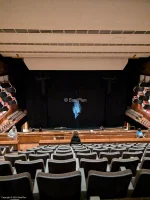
x,y
63,52
73,31
74,44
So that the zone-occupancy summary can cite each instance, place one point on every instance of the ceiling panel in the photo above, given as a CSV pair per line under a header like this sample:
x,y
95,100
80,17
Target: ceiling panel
x,y
75,15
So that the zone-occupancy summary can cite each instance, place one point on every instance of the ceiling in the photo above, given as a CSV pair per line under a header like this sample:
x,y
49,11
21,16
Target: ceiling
x,y
91,29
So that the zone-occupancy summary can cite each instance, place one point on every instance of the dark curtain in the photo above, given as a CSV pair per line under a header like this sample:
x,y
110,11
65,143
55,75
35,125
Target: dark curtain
x,y
102,102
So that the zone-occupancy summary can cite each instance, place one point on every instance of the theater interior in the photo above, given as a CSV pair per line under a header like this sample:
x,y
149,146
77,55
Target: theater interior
x,y
75,99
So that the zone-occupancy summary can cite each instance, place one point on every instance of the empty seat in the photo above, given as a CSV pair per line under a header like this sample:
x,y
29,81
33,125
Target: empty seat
x,y
64,147
138,154
147,153
145,164
44,156
131,164
136,149
26,153
141,184
86,155
121,150
108,185
62,156
50,152
59,187
82,151
109,155
12,158
98,151
29,166
6,168
48,148
18,185
64,151
61,166
89,164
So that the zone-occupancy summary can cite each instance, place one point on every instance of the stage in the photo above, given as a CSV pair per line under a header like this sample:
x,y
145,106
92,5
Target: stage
x,y
110,135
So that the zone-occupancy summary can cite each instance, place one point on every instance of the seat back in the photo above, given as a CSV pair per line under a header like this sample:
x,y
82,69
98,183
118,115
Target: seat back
x,y
98,151
18,185
61,166
121,150
145,164
86,155
141,184
136,149
97,165
109,155
138,154
130,163
59,186
12,158
108,185
63,147
64,151
26,153
43,156
147,153
6,168
62,156
50,152
82,151
29,166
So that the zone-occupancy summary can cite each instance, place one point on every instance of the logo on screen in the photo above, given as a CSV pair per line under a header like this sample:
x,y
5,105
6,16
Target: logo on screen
x,y
76,108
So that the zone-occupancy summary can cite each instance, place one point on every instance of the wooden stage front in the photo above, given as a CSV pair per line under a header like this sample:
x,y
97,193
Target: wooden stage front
x,y
29,140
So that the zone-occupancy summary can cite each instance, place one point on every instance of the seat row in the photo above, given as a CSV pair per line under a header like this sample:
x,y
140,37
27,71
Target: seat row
x,y
72,185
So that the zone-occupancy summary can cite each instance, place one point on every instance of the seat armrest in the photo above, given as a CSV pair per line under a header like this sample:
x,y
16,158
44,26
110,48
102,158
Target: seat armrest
x,y
108,168
3,151
94,198
122,168
35,187
46,167
14,170
11,150
138,167
130,186
130,189
83,182
77,164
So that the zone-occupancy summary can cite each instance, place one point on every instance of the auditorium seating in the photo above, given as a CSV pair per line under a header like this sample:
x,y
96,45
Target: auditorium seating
x,y
57,156
89,164
29,166
86,155
138,117
108,185
109,155
131,164
61,166
12,158
59,186
43,156
6,168
107,166
139,188
18,185
26,153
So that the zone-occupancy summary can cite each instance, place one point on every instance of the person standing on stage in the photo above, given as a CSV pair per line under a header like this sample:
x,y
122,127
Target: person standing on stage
x,y
139,133
75,138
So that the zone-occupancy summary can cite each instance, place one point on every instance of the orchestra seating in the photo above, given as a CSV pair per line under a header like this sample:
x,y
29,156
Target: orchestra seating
x,y
78,171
